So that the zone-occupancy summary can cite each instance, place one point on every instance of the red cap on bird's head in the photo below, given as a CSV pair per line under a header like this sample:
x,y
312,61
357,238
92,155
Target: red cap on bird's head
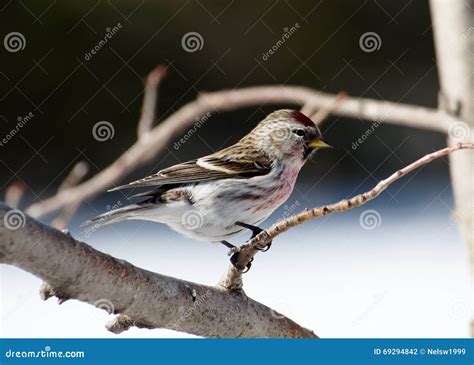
x,y
303,119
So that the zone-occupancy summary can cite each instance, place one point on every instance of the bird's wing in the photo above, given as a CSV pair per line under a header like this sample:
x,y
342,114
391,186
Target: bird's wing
x,y
213,167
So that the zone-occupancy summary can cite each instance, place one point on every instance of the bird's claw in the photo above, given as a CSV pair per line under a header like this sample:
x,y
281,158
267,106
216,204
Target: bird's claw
x,y
234,259
249,265
266,248
255,231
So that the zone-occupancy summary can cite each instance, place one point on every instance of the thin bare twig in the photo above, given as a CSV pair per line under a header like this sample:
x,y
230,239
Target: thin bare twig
x,y
233,278
63,219
145,149
321,114
150,100
75,176
14,193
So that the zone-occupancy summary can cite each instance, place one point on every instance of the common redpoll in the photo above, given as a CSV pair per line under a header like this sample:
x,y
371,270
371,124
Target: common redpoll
x,y
215,197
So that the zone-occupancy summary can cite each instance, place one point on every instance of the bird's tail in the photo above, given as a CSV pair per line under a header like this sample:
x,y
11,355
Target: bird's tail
x,y
118,215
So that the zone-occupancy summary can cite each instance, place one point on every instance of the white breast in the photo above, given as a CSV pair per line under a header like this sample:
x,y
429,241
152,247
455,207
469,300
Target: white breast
x,y
217,205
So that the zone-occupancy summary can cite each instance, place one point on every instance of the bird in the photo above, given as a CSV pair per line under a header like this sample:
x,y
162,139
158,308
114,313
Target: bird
x,y
216,197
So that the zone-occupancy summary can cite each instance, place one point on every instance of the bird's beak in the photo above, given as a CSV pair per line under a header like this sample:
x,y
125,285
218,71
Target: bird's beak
x,y
318,143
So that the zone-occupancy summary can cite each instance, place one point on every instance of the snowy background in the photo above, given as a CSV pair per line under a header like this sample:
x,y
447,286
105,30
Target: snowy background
x,y
401,274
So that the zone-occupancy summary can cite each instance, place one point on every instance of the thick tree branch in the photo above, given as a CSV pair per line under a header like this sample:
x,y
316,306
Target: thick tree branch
x,y
454,45
233,279
74,270
156,140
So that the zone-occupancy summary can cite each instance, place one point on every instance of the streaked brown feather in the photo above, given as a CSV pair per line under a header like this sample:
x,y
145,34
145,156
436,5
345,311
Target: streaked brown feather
x,y
232,162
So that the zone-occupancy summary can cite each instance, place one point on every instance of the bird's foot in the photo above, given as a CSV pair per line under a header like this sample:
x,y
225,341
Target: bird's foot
x,y
234,259
267,247
255,231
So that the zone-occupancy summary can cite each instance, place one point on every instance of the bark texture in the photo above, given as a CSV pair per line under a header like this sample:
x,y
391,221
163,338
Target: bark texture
x,y
453,26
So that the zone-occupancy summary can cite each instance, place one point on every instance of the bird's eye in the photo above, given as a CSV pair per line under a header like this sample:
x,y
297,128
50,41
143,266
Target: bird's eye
x,y
299,132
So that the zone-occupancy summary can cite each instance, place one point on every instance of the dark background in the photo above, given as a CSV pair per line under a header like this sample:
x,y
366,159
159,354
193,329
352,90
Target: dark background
x,y
68,94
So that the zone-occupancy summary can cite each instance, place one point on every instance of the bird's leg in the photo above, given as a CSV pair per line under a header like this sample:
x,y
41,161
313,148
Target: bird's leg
x,y
227,244
234,259
255,231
